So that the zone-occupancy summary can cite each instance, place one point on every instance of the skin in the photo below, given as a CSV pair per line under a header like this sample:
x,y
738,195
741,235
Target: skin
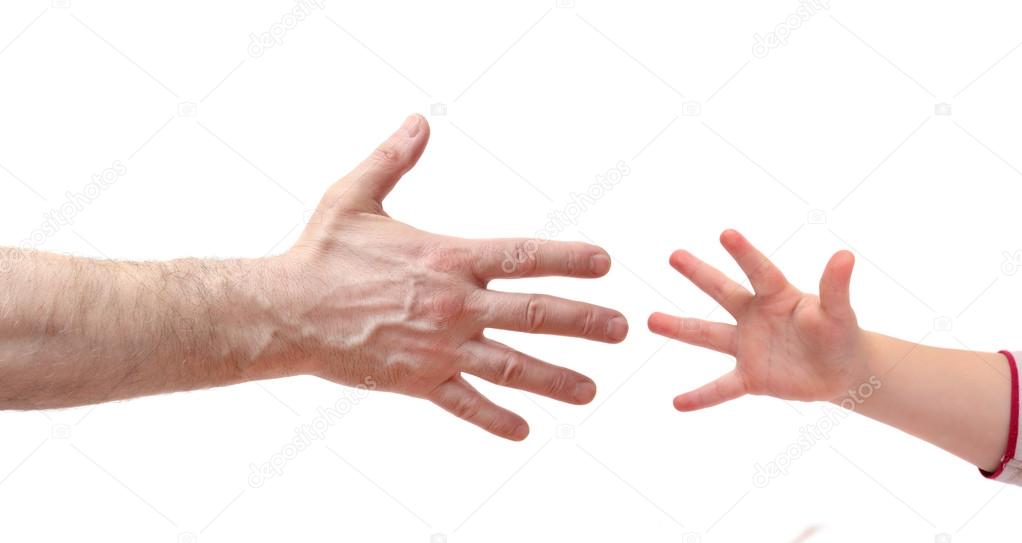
x,y
360,298
798,346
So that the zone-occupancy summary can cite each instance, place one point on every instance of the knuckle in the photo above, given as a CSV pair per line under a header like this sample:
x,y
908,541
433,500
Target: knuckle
x,y
557,384
747,385
572,263
443,308
511,369
682,327
535,314
694,271
442,259
386,155
466,407
523,255
498,426
718,389
719,291
703,333
588,323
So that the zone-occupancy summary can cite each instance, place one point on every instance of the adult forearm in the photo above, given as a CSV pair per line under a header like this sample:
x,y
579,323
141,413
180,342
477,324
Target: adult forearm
x,y
360,299
75,331
958,400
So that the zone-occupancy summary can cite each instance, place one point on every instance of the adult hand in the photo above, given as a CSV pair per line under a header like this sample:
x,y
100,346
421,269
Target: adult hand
x,y
367,296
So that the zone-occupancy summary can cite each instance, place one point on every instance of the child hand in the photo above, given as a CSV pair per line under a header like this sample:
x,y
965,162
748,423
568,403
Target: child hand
x,y
787,343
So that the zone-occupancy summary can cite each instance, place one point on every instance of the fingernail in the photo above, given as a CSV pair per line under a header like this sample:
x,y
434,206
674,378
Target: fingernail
x,y
617,328
584,392
520,432
599,264
411,125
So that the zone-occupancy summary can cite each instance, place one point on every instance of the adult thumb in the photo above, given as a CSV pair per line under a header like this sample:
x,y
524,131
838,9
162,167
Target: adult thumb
x,y
365,188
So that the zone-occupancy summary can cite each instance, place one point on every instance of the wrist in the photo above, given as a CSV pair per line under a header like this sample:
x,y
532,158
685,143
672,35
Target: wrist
x,y
253,319
862,374
877,350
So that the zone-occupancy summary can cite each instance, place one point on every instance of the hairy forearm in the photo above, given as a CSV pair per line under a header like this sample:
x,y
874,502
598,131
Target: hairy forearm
x,y
75,331
958,400
360,299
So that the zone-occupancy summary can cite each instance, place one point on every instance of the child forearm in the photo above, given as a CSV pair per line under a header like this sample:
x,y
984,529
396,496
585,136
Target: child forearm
x,y
958,400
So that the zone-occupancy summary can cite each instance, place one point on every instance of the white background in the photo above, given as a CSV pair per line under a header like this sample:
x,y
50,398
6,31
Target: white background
x,y
540,100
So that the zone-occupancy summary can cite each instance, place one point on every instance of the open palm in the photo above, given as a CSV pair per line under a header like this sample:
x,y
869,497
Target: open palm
x,y
786,343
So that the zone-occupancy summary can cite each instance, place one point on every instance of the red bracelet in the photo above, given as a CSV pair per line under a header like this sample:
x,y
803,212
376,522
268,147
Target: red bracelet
x,y
1009,450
